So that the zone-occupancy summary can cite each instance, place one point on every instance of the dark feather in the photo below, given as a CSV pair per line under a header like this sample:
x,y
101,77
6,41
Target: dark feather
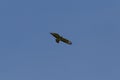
x,y
57,40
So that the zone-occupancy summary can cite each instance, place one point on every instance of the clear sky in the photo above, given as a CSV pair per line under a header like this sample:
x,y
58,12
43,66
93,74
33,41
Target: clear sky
x,y
29,52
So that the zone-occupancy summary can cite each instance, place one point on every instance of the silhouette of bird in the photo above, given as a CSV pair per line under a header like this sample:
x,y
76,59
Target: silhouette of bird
x,y
60,38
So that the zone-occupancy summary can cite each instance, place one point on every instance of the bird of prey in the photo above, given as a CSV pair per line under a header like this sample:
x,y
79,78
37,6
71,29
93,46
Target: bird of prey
x,y
60,38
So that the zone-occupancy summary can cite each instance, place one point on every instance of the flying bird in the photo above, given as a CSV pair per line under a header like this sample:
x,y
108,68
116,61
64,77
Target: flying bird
x,y
59,38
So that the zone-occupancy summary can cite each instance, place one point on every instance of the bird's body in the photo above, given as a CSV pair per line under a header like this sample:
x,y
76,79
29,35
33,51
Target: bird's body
x,y
60,38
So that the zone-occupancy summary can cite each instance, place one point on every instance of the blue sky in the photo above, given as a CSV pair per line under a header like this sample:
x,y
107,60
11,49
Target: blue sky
x,y
29,52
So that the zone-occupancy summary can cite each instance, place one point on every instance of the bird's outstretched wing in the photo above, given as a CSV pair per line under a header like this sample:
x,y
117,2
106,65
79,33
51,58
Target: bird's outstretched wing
x,y
66,41
55,35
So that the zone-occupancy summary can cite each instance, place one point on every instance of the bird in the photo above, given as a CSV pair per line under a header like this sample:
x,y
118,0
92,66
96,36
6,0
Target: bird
x,y
59,38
